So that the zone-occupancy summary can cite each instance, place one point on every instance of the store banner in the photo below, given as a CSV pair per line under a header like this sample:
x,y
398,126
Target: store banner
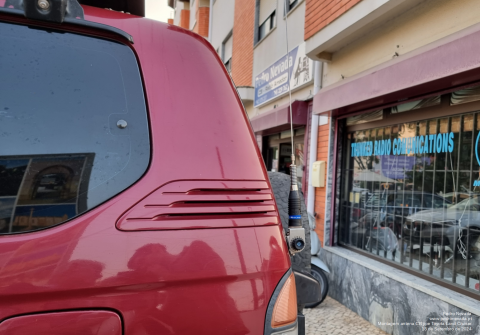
x,y
273,81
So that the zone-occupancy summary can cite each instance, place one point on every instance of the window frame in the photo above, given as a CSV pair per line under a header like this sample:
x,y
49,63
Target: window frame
x,y
444,110
288,8
227,62
256,37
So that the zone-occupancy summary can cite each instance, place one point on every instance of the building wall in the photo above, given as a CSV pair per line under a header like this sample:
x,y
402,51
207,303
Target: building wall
x,y
179,6
184,18
202,21
425,23
222,21
199,17
242,55
370,291
320,13
192,15
274,45
321,192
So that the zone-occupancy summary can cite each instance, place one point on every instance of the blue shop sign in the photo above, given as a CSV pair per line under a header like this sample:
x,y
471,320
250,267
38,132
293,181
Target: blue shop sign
x,y
273,82
435,143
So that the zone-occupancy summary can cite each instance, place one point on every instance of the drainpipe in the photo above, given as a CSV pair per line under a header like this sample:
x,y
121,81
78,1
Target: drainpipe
x,y
317,85
210,19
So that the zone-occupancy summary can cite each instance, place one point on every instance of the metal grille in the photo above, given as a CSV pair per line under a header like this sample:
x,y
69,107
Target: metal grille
x,y
420,210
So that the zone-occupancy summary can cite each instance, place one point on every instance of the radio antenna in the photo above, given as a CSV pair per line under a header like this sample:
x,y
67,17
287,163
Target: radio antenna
x,y
295,233
289,88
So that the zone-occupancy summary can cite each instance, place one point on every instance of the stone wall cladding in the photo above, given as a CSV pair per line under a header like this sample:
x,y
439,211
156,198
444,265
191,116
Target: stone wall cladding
x,y
378,298
243,33
320,13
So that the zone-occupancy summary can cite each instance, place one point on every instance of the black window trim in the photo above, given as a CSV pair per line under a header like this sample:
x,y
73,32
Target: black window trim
x,y
78,22
227,61
287,9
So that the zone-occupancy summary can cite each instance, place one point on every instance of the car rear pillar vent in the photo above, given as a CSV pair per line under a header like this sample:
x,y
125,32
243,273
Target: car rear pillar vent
x,y
203,204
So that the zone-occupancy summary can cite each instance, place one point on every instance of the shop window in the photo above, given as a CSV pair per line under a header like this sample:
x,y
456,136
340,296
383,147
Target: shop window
x,y
278,156
62,152
410,193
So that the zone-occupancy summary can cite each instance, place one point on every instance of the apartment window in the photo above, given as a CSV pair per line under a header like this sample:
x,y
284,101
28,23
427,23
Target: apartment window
x,y
266,17
266,26
291,4
228,65
227,52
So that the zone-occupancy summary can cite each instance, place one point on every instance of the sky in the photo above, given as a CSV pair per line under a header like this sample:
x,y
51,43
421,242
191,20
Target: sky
x,y
158,10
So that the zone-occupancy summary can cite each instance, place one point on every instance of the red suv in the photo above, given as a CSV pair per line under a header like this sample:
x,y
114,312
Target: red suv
x,y
133,197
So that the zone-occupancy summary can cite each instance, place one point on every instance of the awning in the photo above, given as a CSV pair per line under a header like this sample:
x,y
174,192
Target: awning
x,y
372,176
450,62
278,119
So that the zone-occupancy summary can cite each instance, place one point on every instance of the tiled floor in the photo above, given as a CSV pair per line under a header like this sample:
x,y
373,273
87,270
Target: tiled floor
x,y
332,318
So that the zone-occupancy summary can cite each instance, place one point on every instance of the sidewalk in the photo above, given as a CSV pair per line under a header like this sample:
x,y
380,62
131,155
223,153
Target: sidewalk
x,y
332,318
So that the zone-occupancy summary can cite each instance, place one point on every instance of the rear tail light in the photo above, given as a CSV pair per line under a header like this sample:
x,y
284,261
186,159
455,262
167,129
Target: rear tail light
x,y
281,315
285,310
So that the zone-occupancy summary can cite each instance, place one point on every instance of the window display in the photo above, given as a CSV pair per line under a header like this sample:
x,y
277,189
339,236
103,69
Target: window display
x,y
411,194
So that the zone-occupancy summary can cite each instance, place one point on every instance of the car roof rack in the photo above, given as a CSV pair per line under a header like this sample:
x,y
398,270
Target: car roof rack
x,y
58,11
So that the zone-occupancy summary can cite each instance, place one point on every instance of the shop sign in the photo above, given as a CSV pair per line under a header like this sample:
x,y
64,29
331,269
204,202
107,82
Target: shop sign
x,y
435,143
273,81
392,164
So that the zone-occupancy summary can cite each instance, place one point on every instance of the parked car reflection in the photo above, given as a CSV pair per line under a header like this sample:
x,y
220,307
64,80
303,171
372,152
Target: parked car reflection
x,y
391,208
457,228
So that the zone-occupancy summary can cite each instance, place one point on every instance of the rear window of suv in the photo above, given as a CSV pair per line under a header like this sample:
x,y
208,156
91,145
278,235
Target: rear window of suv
x,y
73,125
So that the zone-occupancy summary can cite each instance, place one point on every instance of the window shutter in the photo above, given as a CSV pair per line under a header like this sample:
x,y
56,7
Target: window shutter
x,y
266,8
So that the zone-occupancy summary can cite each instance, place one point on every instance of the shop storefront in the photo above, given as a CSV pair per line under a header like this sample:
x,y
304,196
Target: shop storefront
x,y
402,217
279,151
274,136
410,188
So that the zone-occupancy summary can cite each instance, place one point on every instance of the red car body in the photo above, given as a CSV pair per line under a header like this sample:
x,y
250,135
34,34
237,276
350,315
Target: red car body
x,y
114,269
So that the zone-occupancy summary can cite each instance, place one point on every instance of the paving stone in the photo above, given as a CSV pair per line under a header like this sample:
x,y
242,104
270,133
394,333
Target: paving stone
x,y
332,318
